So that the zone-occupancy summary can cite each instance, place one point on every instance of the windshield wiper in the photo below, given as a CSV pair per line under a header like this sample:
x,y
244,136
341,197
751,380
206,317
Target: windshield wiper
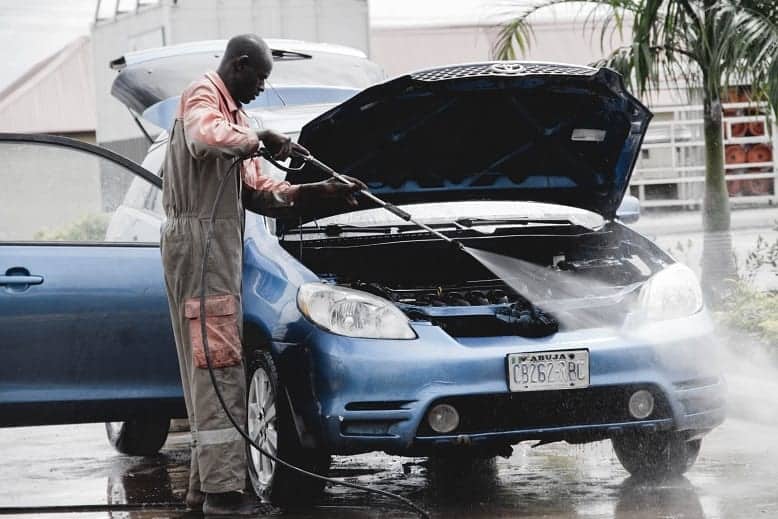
x,y
281,54
337,229
472,222
463,224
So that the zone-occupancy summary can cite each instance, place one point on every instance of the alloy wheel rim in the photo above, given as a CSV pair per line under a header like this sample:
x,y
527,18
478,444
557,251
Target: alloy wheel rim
x,y
262,425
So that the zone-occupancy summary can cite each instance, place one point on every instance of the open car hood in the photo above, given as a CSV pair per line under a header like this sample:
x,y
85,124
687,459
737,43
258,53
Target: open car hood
x,y
150,81
525,131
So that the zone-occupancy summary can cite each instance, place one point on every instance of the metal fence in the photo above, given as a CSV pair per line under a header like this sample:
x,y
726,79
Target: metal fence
x,y
671,167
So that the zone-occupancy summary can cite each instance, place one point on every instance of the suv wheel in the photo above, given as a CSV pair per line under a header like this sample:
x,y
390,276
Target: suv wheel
x,y
656,455
138,437
270,425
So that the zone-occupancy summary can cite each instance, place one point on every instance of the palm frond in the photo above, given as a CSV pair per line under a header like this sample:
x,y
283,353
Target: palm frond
x,y
688,43
517,33
747,49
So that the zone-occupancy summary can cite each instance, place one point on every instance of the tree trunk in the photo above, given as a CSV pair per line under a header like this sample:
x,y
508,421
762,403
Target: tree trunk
x,y
718,264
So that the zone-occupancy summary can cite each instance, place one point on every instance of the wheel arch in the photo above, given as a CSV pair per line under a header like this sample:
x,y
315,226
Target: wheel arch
x,y
295,377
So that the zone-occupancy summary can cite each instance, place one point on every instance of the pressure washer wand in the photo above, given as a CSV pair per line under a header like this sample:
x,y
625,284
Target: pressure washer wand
x,y
310,159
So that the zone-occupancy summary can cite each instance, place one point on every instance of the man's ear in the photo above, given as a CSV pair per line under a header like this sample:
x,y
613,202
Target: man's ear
x,y
241,62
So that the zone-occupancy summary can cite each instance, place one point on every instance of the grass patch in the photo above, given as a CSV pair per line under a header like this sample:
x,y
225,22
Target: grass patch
x,y
90,227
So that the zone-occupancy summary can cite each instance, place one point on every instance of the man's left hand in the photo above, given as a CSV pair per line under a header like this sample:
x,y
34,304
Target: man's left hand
x,y
335,189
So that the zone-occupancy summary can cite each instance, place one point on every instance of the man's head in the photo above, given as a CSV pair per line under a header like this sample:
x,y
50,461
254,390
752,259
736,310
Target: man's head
x,y
245,66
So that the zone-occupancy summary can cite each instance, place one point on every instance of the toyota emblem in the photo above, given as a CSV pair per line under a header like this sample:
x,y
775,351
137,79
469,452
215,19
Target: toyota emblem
x,y
508,68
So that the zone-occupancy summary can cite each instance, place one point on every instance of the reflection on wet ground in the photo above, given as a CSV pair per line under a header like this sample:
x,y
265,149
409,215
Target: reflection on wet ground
x,y
734,478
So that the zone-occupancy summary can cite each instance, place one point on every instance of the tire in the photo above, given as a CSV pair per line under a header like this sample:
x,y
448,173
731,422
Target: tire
x,y
138,437
272,482
656,455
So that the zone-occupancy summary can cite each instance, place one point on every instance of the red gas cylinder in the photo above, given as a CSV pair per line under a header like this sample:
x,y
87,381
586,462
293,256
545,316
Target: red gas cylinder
x,y
734,154
759,186
738,129
759,153
756,128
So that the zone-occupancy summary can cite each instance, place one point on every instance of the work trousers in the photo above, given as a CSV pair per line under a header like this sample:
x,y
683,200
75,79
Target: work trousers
x,y
218,451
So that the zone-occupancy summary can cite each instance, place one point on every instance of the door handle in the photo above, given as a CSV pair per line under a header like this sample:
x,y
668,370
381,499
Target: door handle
x,y
21,280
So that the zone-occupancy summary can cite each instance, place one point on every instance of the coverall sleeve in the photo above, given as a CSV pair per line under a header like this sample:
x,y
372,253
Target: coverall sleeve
x,y
274,193
209,132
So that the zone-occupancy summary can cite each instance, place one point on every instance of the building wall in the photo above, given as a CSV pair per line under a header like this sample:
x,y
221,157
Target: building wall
x,y
332,21
403,49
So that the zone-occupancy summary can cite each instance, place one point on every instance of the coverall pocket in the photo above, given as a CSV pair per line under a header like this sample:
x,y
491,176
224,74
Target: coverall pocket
x,y
221,326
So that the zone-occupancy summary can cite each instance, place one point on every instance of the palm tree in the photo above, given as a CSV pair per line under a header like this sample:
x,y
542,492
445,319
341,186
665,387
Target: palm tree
x,y
707,44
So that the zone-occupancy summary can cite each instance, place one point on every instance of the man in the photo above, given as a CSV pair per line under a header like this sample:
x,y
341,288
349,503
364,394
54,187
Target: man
x,y
209,133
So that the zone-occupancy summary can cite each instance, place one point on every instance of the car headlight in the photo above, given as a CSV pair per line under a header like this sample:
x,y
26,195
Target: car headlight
x,y
352,313
670,294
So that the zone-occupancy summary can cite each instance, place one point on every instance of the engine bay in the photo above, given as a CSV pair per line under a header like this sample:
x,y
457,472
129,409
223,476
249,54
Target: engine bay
x,y
431,280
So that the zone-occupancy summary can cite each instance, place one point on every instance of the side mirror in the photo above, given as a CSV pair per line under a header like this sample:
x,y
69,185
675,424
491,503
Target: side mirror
x,y
629,210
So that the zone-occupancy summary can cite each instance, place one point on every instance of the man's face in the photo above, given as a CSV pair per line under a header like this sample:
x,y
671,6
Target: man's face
x,y
250,78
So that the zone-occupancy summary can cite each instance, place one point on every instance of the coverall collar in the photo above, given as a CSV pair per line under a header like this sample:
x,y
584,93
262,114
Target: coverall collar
x,y
216,79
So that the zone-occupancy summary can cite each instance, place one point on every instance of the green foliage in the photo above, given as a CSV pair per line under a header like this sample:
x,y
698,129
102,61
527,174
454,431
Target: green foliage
x,y
751,311
90,227
704,43
764,255
748,309
768,7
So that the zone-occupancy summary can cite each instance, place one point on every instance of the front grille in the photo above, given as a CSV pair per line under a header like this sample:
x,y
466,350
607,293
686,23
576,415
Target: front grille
x,y
501,68
542,409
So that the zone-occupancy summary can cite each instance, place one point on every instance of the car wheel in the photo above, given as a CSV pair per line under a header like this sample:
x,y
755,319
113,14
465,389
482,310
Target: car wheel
x,y
138,437
656,455
270,425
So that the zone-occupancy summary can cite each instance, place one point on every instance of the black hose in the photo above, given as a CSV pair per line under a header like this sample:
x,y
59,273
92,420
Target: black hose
x,y
407,502
86,509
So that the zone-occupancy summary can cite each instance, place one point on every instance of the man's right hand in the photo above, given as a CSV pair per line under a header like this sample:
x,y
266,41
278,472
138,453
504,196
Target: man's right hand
x,y
280,145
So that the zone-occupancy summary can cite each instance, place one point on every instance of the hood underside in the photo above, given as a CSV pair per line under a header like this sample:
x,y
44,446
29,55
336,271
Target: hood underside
x,y
493,131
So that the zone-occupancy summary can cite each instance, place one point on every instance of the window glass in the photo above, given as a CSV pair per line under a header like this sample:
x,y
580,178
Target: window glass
x,y
53,193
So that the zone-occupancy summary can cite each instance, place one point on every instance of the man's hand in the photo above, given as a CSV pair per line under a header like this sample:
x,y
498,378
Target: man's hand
x,y
280,145
333,189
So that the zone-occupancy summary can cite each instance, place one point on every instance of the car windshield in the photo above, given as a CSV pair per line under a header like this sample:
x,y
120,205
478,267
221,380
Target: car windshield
x,y
479,213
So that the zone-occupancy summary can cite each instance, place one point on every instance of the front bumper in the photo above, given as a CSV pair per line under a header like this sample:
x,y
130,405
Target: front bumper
x,y
358,395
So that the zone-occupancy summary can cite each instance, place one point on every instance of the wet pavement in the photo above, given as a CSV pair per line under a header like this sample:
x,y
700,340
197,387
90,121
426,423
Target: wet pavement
x,y
735,476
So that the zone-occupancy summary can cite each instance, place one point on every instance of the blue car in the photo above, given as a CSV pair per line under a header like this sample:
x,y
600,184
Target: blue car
x,y
365,333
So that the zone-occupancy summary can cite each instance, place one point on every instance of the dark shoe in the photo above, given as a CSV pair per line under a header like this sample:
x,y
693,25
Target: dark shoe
x,y
194,500
234,504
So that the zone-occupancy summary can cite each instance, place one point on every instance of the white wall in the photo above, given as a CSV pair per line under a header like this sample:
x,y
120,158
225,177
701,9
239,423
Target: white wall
x,y
403,49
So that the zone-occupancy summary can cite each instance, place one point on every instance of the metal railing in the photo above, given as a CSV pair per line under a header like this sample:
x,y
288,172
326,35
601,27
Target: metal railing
x,y
671,167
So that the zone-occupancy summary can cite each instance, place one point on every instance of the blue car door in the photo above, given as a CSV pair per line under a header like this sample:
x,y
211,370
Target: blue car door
x,y
85,332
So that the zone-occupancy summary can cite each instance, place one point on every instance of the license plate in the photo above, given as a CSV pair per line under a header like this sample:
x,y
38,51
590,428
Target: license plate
x,y
547,370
